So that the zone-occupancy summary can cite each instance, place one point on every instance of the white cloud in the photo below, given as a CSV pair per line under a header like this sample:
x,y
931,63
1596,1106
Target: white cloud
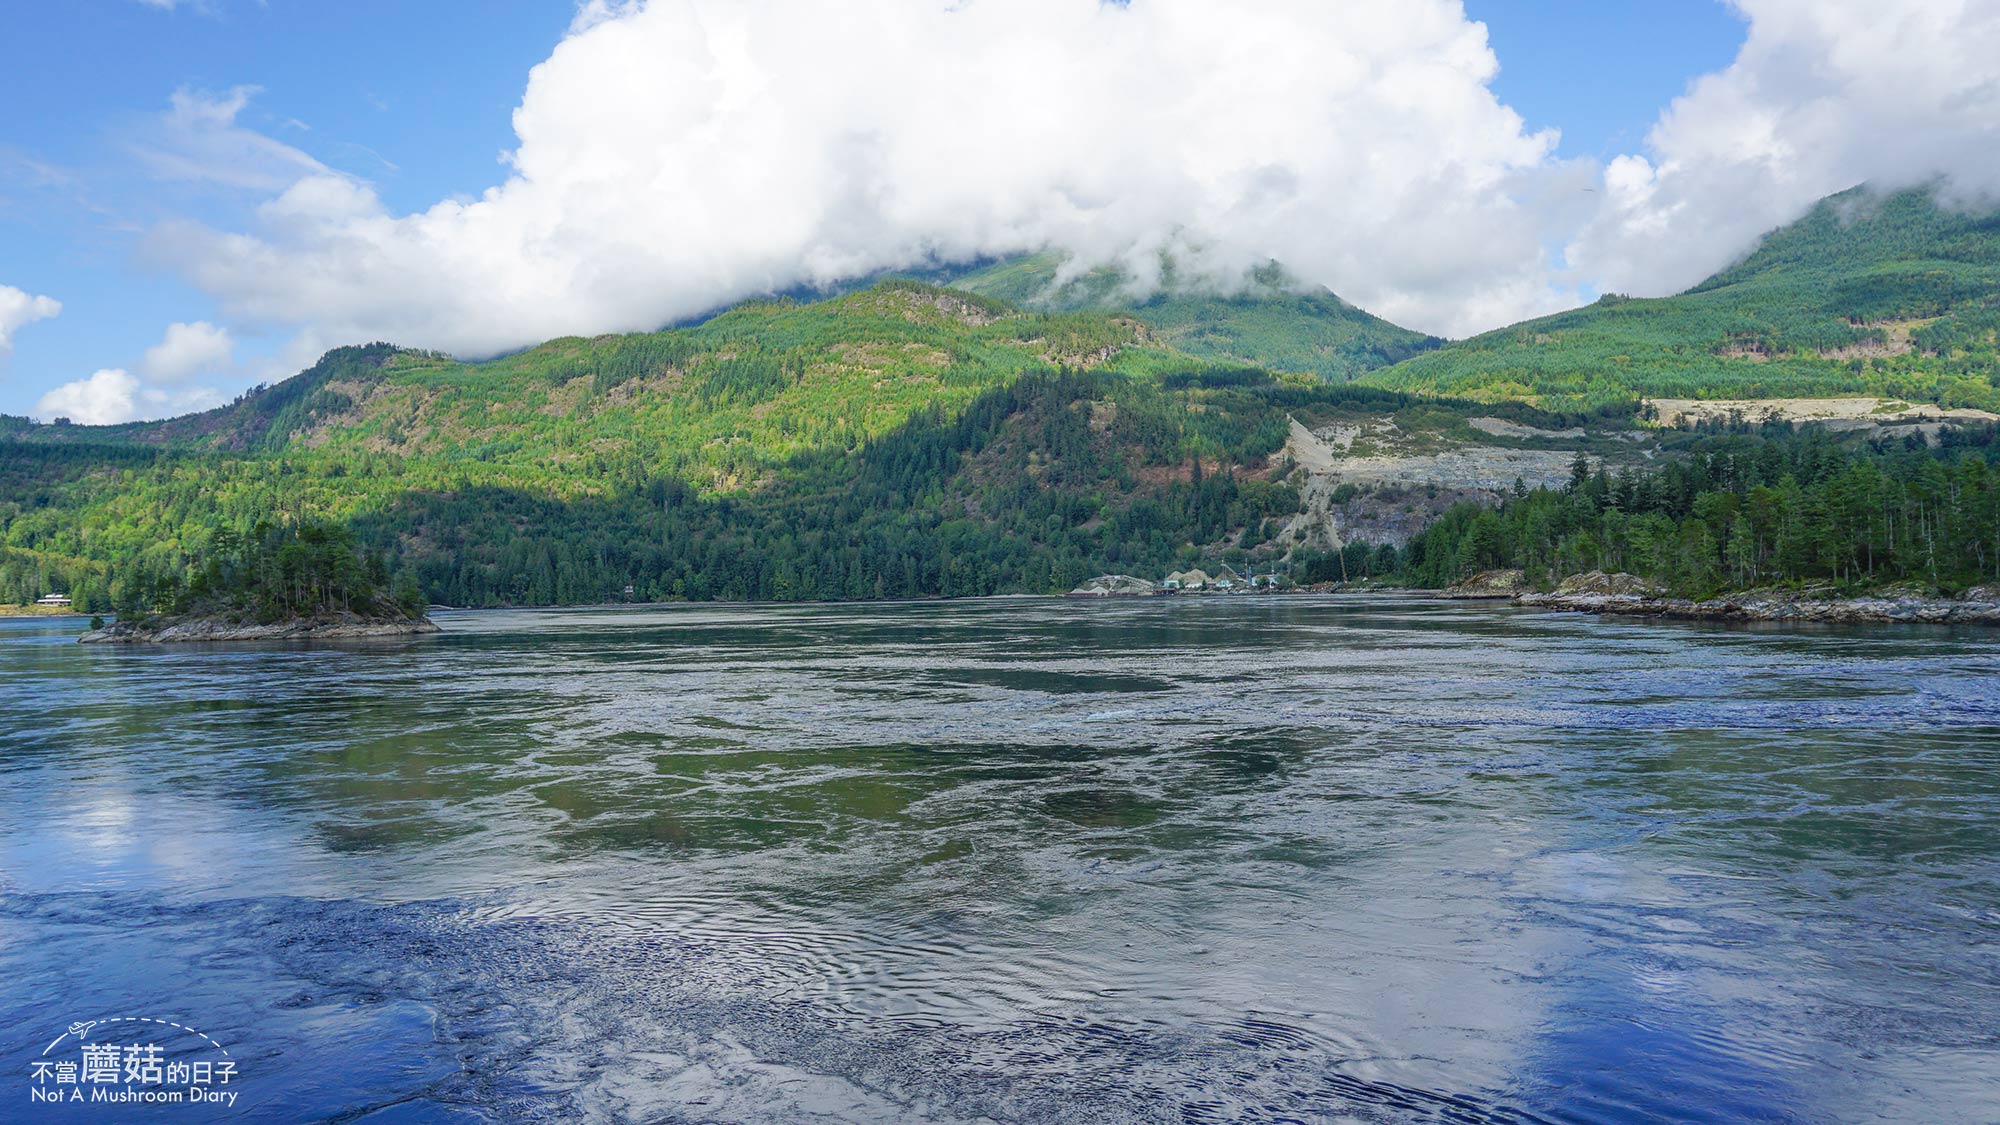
x,y
18,309
681,154
186,350
199,140
1824,95
202,7
106,397
113,395
677,155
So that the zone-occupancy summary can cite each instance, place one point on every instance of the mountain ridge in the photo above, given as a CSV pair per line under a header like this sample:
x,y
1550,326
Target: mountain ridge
x,y
1868,293
906,439
1863,277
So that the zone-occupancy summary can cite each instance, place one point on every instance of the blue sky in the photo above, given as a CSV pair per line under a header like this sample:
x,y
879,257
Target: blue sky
x,y
414,97
1601,70
415,101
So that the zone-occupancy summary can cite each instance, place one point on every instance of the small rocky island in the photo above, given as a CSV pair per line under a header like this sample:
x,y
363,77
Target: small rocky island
x,y
303,582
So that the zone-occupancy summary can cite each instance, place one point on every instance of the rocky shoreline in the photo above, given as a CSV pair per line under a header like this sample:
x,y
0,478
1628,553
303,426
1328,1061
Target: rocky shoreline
x,y
199,629
1488,585
1779,608
1625,595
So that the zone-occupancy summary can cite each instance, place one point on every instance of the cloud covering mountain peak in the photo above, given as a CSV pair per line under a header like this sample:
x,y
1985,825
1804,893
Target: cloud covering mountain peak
x,y
677,155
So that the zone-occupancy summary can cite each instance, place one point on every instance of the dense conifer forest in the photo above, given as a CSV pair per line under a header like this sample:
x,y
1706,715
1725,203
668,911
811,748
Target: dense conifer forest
x,y
1777,507
275,572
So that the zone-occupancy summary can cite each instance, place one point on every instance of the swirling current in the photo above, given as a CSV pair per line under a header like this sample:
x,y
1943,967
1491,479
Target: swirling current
x,y
1185,859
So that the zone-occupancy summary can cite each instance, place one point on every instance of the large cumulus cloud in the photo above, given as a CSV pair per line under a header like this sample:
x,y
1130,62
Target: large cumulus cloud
x,y
680,154
1824,95
677,155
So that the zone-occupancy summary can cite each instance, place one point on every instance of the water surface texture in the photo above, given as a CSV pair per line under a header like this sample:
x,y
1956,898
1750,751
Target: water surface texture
x,y
1266,859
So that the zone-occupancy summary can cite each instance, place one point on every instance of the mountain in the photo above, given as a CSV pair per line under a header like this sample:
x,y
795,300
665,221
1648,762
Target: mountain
x,y
901,440
1894,295
907,439
1275,321
721,404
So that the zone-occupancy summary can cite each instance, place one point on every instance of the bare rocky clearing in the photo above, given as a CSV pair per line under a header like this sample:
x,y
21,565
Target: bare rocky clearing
x,y
1844,414
1371,481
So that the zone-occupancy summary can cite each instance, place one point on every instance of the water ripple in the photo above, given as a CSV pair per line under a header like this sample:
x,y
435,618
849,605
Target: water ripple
x,y
1236,859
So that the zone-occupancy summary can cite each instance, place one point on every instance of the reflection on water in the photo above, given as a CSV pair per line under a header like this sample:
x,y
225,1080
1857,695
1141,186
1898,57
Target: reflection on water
x,y
1246,859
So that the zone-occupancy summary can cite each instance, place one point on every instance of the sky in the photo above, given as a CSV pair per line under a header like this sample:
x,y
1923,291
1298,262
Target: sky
x,y
200,195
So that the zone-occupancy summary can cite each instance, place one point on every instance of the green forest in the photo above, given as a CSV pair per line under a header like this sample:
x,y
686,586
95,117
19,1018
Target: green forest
x,y
1034,486
1775,508
272,573
901,440
1895,296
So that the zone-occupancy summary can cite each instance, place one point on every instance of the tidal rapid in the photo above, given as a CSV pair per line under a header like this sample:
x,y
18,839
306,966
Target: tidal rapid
x,y
1228,859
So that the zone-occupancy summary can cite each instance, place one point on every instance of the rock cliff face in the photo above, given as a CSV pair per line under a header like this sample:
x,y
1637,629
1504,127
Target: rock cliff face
x,y
174,630
1314,528
1374,481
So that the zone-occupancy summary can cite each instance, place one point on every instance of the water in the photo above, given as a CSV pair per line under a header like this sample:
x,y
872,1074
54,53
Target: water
x,y
1268,859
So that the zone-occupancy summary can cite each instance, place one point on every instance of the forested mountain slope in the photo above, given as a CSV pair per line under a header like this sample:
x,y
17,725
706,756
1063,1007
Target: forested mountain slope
x,y
906,439
1895,295
901,440
719,404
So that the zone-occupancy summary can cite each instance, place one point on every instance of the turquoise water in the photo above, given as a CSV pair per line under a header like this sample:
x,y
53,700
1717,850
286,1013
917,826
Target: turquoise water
x,y
1019,860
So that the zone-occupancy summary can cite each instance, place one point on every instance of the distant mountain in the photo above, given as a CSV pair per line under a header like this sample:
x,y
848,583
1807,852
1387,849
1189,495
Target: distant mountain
x,y
731,398
1868,294
1275,321
908,439
900,440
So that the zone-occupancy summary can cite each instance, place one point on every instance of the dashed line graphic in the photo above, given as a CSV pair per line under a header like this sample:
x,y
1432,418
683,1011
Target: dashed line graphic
x,y
81,1029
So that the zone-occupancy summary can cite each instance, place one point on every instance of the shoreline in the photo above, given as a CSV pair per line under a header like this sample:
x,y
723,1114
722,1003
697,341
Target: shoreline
x,y
1752,607
208,630
34,611
1776,608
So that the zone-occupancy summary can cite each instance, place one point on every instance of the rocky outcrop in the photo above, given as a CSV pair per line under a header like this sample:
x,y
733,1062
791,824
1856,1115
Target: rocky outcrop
x,y
1370,480
1489,584
1597,582
1841,415
329,627
1582,595
1316,528
1115,586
